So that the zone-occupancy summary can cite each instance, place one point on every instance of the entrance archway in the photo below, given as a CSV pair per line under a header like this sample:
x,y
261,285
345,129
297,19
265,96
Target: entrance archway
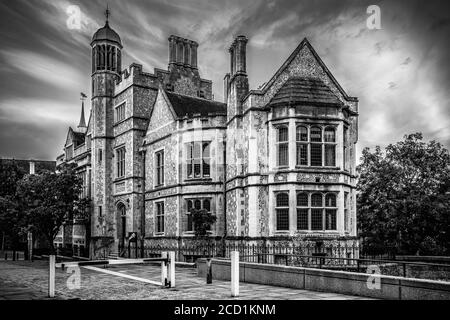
x,y
121,224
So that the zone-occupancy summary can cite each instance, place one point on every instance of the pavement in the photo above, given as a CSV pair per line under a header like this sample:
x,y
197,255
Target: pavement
x,y
25,280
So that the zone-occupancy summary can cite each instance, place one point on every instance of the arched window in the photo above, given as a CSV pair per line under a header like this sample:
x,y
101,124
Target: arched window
x,y
302,146
94,51
207,205
122,223
197,204
282,146
316,146
318,214
330,200
302,211
330,146
330,211
282,212
119,60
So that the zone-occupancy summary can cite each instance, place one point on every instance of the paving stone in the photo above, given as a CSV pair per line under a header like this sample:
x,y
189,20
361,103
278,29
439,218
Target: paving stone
x,y
28,280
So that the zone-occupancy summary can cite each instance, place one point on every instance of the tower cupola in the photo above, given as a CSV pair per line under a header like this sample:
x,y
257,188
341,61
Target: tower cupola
x,y
106,49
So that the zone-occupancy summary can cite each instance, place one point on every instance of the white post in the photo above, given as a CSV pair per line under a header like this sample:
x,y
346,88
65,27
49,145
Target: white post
x,y
51,277
234,273
172,268
163,269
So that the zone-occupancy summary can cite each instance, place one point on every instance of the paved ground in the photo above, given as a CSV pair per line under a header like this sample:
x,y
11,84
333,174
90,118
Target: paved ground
x,y
28,280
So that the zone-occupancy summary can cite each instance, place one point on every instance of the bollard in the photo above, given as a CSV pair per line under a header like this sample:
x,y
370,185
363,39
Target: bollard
x,y
172,269
51,276
208,271
164,266
235,273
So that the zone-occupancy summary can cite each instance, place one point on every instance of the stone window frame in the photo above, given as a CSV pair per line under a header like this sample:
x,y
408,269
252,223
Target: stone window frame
x,y
324,144
280,208
326,211
120,162
282,143
159,176
192,160
189,215
120,112
160,215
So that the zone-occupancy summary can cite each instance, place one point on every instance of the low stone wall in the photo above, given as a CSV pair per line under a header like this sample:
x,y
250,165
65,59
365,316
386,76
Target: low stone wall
x,y
393,288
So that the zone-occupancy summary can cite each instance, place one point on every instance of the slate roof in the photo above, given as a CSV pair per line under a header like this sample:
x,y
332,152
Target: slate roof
x,y
303,90
189,106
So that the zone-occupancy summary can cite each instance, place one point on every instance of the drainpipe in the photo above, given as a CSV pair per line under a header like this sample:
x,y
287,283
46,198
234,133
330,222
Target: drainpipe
x,y
143,204
224,197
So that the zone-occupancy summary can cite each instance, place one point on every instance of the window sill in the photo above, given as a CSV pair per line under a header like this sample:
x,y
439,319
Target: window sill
x,y
159,234
317,168
197,179
317,231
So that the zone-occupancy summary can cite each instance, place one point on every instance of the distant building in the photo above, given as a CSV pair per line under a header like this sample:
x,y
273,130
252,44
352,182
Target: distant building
x,y
269,163
31,166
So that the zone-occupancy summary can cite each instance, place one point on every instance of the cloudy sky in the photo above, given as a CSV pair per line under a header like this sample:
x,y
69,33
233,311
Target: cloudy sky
x,y
400,73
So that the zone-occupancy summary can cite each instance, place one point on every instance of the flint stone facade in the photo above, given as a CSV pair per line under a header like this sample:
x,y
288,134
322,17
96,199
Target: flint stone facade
x,y
157,144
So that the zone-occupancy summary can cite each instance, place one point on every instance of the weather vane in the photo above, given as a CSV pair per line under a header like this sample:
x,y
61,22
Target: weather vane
x,y
107,12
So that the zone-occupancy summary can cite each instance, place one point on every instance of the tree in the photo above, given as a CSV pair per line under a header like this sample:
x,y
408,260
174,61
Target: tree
x,y
404,197
50,199
202,220
11,217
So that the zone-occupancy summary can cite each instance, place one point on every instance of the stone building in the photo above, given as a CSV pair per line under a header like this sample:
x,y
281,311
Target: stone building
x,y
270,164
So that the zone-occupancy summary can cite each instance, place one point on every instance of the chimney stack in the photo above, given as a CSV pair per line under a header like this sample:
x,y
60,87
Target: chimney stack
x,y
226,87
182,52
238,56
236,83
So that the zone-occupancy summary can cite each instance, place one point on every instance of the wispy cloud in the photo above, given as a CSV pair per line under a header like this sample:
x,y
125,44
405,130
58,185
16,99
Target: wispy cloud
x,y
399,73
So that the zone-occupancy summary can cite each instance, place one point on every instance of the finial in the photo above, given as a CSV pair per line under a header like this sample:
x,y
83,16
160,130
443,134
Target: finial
x,y
107,13
82,124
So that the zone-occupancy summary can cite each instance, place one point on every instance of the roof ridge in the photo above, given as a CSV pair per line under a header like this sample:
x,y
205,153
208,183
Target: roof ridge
x,y
197,98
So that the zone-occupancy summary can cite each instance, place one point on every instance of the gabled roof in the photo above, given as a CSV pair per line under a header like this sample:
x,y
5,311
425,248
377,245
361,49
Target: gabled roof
x,y
304,90
78,137
75,137
306,43
189,106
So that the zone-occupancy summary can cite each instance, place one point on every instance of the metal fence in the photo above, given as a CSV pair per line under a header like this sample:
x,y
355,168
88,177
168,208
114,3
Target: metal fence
x,y
191,251
338,257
